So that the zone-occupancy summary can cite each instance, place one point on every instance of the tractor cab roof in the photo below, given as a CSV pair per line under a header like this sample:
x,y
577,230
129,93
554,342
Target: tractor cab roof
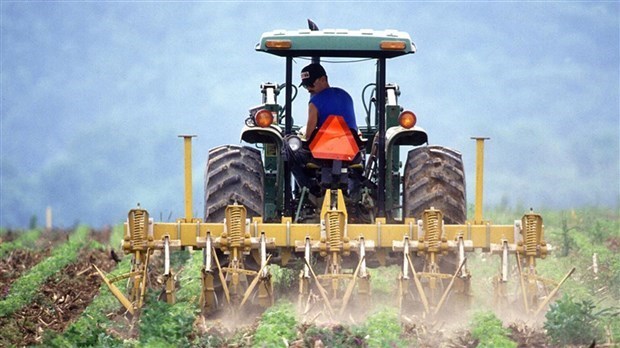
x,y
364,43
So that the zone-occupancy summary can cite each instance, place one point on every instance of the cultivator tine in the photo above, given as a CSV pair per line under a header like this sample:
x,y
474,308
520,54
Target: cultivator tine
x,y
418,285
363,281
523,288
304,275
170,286
208,299
350,286
144,279
116,292
255,281
449,287
222,277
322,290
553,292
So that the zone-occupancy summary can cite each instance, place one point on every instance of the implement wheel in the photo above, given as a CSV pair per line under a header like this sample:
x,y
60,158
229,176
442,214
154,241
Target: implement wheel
x,y
434,177
233,174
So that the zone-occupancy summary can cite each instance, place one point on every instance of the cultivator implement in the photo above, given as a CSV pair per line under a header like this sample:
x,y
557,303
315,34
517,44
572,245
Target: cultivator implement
x,y
349,207
434,257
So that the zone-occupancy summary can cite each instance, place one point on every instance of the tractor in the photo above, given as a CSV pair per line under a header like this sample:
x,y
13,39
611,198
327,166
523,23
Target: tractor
x,y
360,209
364,169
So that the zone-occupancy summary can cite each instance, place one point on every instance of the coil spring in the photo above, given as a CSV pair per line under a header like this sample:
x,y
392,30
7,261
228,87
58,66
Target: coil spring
x,y
333,226
531,239
235,232
138,235
432,229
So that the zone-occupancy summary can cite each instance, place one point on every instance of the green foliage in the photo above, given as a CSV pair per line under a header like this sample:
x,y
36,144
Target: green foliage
x,y
383,279
26,240
581,234
276,325
24,288
333,336
283,278
162,324
116,238
489,331
578,322
190,278
383,329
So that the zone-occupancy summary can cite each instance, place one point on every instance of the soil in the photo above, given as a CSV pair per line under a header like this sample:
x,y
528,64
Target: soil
x,y
16,264
60,300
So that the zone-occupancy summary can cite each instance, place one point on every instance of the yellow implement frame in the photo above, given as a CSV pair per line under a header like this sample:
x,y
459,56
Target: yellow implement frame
x,y
331,238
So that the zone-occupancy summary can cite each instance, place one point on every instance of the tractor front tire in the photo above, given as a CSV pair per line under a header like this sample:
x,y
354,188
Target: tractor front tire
x,y
434,177
234,174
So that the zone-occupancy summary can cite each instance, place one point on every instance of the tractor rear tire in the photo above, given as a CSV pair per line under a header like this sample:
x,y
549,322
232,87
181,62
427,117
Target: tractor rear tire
x,y
434,177
234,174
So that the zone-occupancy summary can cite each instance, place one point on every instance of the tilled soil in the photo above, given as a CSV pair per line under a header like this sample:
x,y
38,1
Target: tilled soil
x,y
17,263
60,300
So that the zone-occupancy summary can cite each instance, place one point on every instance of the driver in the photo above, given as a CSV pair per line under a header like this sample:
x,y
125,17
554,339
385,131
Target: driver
x,y
324,101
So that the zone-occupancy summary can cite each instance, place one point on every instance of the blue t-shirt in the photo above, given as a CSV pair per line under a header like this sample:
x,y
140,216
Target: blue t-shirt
x,y
334,101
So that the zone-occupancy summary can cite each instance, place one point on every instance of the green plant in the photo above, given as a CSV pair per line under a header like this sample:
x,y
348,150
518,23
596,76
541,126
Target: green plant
x,y
571,322
383,329
331,336
26,240
116,238
489,331
163,324
283,279
277,325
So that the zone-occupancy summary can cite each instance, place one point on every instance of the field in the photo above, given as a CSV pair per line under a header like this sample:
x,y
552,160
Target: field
x,y
51,296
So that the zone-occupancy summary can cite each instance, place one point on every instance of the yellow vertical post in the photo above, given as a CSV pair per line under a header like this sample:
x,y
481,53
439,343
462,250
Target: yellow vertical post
x,y
187,140
479,178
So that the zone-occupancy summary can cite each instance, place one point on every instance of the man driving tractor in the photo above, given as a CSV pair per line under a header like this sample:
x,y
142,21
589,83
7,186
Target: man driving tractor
x,y
325,101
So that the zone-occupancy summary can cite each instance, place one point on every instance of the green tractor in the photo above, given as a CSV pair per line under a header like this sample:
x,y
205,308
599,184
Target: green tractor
x,y
259,177
359,206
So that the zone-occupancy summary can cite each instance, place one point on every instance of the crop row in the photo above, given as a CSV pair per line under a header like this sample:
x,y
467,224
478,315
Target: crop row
x,y
90,328
24,288
26,240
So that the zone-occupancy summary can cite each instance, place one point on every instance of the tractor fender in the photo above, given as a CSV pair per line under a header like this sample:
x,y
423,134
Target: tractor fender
x,y
259,135
395,136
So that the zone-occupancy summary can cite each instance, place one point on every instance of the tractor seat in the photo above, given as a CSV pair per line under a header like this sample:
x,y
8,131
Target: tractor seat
x,y
357,164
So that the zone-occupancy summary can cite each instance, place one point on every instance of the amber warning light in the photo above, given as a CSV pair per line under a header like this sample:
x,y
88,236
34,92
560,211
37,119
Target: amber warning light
x,y
393,45
263,118
407,119
278,44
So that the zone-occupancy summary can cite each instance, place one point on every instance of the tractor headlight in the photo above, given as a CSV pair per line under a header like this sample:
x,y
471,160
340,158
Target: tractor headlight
x,y
294,143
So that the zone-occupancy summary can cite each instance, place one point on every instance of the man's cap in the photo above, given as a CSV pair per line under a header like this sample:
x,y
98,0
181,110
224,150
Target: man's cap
x,y
310,73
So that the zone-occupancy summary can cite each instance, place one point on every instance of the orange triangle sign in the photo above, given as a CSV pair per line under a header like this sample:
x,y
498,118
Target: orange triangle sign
x,y
334,141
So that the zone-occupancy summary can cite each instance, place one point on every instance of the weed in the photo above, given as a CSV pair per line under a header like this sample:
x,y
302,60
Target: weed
x,y
489,331
578,322
277,326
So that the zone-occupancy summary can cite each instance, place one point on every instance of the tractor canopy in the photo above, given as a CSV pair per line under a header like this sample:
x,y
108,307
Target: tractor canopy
x,y
337,43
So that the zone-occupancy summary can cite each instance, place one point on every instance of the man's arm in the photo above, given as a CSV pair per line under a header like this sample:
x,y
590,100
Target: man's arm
x,y
313,118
